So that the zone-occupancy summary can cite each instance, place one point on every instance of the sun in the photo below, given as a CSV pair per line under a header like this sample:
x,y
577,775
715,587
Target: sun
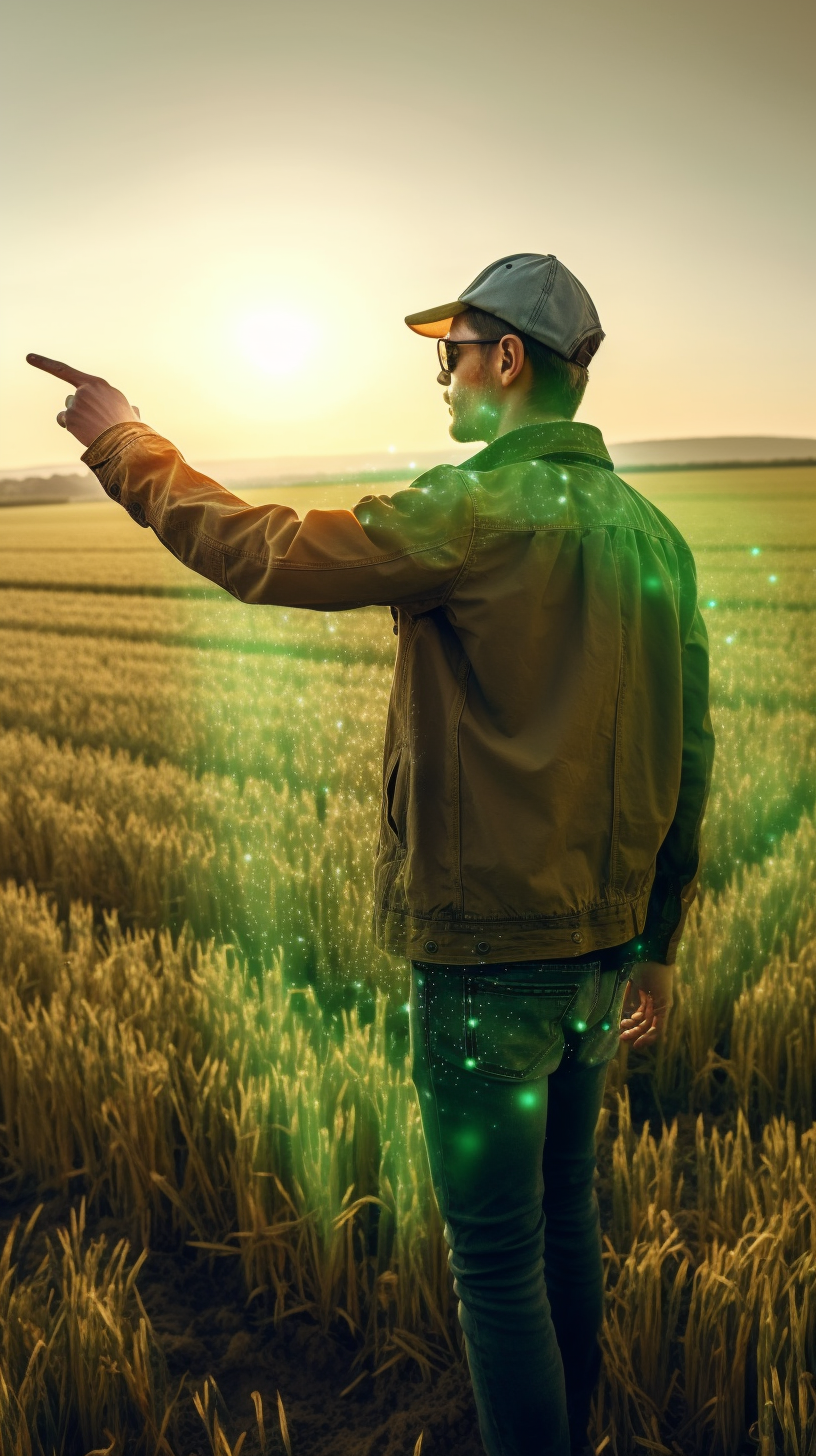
x,y
278,341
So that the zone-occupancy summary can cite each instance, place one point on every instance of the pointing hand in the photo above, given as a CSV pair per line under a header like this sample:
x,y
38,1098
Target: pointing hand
x,y
95,405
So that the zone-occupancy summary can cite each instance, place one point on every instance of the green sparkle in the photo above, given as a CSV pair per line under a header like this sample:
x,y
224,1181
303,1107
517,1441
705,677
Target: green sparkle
x,y
473,1021
470,1061
528,1099
579,1026
469,1142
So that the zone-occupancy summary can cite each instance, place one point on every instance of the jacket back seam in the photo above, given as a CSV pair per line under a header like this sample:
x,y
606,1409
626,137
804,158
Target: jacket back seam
x,y
457,804
466,558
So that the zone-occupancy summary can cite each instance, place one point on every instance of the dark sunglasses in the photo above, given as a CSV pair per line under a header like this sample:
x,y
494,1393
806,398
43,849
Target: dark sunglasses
x,y
447,352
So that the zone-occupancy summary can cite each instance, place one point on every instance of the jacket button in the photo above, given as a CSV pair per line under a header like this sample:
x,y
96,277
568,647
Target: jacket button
x,y
483,946
577,937
431,946
114,491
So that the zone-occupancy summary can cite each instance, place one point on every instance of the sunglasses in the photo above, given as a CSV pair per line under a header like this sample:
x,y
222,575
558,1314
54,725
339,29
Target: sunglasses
x,y
447,352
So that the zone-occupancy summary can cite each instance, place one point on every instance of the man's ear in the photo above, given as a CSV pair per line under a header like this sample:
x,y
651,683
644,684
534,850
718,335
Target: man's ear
x,y
511,359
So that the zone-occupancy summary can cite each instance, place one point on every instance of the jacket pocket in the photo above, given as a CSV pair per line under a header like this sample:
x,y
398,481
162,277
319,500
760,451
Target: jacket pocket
x,y
395,795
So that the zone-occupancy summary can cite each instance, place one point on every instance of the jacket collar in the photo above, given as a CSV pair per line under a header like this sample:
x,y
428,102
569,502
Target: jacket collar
x,y
559,438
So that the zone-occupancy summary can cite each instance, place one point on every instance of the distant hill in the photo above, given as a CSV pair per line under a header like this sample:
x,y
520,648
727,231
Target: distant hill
x,y
32,490
715,451
304,469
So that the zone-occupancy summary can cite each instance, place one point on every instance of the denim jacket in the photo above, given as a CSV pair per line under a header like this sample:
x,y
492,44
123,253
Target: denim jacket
x,y
548,748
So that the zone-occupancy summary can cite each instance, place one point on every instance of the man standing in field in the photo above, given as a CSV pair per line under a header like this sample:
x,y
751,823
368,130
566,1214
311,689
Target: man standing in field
x,y
547,763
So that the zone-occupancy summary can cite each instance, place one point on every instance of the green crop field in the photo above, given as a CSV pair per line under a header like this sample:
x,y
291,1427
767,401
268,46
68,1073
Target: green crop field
x,y
202,1053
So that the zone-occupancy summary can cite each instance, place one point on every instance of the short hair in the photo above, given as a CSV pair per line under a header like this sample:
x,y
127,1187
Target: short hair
x,y
557,382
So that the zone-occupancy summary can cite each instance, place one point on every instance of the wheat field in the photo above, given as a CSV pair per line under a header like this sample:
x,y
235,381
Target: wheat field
x,y
200,1046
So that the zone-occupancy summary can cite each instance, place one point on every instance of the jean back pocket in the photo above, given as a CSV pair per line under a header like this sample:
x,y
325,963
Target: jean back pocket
x,y
514,1029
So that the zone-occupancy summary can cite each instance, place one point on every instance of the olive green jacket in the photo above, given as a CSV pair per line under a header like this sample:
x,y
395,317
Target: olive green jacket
x,y
548,749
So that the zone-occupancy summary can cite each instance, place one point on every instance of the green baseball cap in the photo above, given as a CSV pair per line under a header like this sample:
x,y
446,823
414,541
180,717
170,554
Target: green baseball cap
x,y
536,294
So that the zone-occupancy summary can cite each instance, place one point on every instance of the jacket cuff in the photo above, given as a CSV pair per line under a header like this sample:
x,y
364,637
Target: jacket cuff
x,y
666,916
106,455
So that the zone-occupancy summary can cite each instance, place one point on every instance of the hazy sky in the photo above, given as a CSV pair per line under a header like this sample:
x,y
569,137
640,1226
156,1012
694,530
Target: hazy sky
x,y
227,209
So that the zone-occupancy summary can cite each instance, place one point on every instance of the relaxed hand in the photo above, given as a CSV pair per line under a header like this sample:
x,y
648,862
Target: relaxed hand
x,y
647,1004
94,406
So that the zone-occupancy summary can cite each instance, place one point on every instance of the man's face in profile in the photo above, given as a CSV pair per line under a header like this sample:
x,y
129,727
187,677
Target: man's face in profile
x,y
472,392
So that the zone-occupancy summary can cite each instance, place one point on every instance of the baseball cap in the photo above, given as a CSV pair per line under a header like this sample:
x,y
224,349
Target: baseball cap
x,y
536,294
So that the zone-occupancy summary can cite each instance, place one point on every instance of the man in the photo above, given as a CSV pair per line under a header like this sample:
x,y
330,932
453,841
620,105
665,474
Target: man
x,y
547,762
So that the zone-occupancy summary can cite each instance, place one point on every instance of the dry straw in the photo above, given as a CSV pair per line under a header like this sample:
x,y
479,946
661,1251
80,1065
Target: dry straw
x,y
193,1101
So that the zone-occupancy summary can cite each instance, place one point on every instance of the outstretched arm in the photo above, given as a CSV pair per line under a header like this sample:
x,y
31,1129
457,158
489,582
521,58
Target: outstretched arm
x,y
401,550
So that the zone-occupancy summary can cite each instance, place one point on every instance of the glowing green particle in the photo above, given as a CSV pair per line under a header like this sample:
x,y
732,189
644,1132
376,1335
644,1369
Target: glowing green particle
x,y
579,1026
470,1061
473,1021
772,578
528,1099
754,550
562,499
712,604
406,1006
605,1025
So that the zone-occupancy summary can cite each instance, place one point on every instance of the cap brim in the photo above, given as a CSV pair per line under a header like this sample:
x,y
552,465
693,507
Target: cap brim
x,y
434,323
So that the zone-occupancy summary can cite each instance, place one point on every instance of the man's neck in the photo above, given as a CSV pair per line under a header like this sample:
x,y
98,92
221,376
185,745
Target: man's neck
x,y
514,417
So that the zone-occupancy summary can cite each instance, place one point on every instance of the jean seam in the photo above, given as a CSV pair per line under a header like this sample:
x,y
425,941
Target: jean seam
x,y
433,1088
488,1397
596,987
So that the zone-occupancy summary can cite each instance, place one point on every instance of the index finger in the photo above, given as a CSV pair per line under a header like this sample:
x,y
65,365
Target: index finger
x,y
62,371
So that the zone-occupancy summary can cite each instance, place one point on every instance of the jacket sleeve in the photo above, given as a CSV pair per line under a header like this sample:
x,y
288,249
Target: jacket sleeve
x,y
678,860
403,550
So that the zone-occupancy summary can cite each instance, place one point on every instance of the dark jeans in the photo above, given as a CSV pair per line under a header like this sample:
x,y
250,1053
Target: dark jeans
x,y
509,1063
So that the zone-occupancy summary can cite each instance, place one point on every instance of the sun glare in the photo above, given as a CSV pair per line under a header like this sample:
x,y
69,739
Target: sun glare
x,y
277,341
